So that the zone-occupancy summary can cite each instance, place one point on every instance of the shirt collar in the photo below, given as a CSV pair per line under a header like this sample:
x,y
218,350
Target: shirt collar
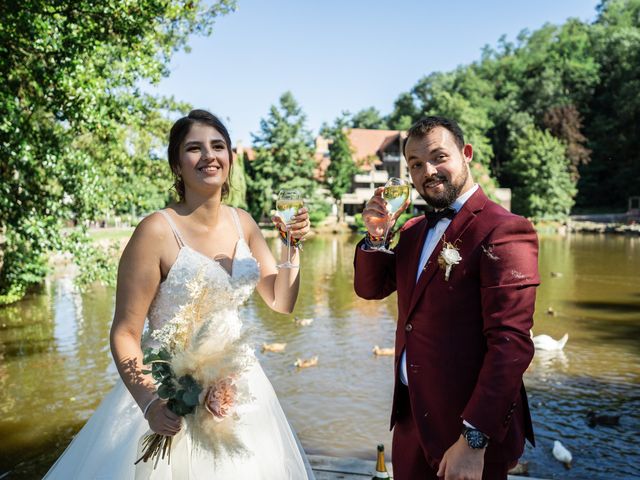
x,y
461,200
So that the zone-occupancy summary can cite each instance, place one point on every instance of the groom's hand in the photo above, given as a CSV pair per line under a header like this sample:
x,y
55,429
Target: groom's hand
x,y
461,462
375,215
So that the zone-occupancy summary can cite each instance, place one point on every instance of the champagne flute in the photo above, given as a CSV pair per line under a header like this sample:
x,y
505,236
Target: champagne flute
x,y
396,192
287,205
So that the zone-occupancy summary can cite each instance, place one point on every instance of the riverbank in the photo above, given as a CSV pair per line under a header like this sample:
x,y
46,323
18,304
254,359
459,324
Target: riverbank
x,y
583,226
619,223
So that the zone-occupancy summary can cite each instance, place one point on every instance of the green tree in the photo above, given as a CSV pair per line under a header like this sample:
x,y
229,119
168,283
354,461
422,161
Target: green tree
x,y
368,118
619,13
550,74
404,114
134,177
238,193
543,188
70,83
342,167
284,158
613,123
458,95
450,95
577,82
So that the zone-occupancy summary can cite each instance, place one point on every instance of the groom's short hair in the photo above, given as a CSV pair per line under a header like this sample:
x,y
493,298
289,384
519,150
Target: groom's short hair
x,y
426,124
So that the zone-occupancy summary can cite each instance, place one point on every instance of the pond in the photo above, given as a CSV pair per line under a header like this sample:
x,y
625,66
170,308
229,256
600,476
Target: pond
x,y
55,365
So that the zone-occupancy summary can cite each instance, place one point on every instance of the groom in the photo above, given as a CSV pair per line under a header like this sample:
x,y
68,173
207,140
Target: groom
x,y
465,276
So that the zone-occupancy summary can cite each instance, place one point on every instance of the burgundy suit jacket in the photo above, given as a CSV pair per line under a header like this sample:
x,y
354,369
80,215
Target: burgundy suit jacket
x,y
467,339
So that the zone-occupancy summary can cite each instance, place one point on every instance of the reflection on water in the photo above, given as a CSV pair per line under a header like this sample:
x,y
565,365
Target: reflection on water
x,y
55,364
591,284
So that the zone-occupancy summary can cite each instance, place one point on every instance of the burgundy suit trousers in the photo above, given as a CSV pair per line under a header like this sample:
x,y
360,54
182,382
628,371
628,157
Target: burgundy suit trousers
x,y
411,462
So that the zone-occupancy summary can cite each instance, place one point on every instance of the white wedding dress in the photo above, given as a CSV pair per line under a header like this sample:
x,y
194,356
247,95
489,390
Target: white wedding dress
x,y
108,445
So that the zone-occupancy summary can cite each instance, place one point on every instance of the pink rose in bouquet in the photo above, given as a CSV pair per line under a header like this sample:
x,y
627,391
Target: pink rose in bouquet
x,y
220,398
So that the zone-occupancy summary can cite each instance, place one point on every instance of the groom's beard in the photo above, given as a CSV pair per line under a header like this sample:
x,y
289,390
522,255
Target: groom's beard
x,y
451,190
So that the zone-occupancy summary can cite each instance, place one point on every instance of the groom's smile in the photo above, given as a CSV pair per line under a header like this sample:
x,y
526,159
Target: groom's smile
x,y
439,166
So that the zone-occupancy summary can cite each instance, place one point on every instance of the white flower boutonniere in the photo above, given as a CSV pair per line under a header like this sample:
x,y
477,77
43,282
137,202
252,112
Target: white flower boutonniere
x,y
449,256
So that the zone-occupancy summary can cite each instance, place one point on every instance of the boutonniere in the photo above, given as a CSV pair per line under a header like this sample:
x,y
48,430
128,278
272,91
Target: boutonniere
x,y
449,256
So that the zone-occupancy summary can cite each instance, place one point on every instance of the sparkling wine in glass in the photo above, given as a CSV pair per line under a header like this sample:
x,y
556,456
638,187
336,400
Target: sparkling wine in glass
x,y
396,192
287,205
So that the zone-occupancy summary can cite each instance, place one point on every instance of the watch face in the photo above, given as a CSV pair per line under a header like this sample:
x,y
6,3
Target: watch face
x,y
475,438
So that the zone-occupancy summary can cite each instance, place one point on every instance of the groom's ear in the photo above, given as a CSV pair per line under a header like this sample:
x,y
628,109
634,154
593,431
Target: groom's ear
x,y
467,153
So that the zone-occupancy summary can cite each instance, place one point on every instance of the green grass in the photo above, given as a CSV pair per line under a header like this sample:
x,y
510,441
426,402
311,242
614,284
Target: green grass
x,y
111,233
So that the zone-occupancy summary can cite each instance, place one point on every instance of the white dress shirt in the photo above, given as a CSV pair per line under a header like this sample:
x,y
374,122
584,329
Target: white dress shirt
x,y
433,237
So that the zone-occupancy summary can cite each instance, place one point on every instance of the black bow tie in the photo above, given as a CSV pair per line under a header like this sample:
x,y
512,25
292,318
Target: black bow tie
x,y
435,216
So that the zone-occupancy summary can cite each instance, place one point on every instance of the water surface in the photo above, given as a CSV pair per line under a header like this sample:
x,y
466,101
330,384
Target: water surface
x,y
55,365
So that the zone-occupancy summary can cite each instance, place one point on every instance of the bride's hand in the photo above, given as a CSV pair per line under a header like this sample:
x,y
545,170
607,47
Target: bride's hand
x,y
162,420
300,224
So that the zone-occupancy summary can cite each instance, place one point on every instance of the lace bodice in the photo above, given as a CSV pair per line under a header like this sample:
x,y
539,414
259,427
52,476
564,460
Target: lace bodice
x,y
226,291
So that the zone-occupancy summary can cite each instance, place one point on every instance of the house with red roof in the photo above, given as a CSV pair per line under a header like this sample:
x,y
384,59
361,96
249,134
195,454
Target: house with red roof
x,y
378,154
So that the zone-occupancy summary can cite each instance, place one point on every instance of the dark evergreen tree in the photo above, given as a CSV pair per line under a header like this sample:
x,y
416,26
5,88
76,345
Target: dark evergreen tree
x,y
340,172
284,158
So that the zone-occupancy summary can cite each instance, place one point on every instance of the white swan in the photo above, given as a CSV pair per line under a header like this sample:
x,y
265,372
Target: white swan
x,y
545,342
562,454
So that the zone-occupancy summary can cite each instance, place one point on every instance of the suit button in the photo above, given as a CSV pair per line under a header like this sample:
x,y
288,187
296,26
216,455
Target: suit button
x,y
408,327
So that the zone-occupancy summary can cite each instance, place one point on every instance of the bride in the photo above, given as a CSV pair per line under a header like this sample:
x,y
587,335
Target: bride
x,y
196,237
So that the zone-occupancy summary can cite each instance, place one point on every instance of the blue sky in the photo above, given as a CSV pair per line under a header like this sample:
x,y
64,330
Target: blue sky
x,y
337,55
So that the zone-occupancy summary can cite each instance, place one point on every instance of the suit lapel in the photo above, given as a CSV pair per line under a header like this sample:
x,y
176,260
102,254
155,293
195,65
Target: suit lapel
x,y
452,234
416,245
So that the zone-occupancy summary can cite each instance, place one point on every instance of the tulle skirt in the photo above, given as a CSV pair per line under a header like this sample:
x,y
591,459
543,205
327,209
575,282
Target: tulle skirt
x,y
109,444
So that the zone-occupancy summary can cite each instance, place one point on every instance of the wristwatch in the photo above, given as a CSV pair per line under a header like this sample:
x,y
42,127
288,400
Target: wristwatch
x,y
475,438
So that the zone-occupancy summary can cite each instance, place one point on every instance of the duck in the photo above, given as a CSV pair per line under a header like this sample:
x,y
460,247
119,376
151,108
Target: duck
x,y
602,419
383,351
561,454
273,347
545,342
303,322
306,363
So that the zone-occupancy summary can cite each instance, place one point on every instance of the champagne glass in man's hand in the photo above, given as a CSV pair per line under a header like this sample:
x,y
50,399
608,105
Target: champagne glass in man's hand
x,y
384,208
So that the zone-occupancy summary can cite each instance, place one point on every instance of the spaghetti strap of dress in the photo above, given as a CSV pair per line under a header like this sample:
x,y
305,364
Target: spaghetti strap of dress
x,y
174,229
236,220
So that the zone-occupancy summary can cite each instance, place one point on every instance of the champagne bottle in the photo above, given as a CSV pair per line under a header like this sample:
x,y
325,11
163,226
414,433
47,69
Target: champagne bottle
x,y
381,468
